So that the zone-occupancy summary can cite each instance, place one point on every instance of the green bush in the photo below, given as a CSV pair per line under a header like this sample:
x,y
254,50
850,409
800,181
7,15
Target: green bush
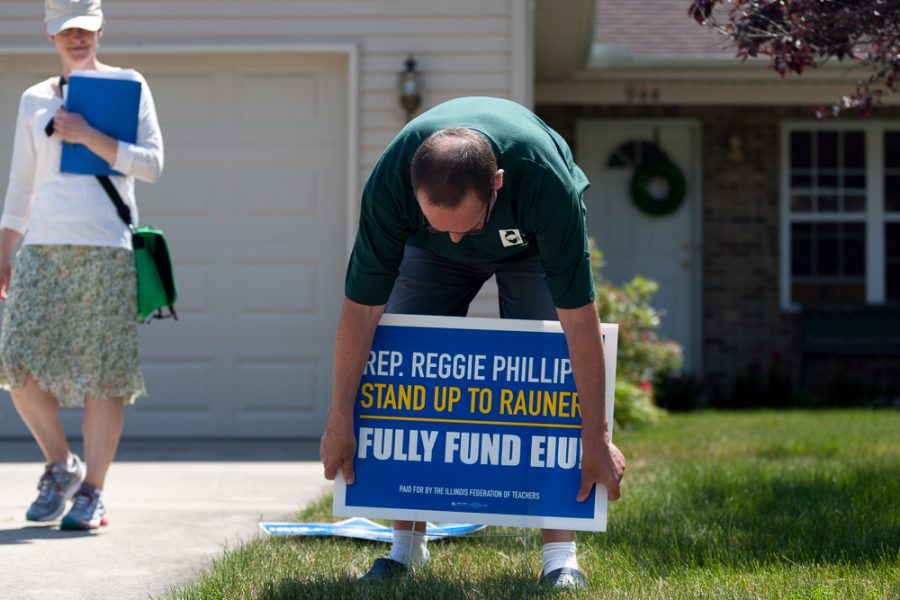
x,y
634,405
643,356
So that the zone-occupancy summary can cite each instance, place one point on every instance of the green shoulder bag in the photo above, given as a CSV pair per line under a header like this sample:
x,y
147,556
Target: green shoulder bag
x,y
156,289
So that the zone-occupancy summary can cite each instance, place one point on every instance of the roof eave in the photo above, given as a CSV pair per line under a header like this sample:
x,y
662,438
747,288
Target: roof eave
x,y
607,61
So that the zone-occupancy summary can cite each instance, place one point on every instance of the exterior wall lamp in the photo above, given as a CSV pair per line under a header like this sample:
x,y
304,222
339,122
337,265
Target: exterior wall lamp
x,y
735,151
410,87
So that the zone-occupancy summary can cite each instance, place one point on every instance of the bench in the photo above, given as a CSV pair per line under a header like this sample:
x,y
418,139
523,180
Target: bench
x,y
862,331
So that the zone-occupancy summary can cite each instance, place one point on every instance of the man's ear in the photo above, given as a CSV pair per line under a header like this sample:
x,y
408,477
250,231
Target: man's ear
x,y
498,180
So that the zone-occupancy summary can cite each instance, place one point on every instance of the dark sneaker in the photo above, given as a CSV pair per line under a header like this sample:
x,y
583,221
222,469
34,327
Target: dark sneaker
x,y
564,578
382,569
56,486
87,510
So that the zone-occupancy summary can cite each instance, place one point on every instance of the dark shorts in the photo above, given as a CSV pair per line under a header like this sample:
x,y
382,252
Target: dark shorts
x,y
429,284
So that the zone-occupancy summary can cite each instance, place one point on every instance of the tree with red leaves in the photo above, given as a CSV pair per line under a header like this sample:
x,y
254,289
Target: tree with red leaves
x,y
802,34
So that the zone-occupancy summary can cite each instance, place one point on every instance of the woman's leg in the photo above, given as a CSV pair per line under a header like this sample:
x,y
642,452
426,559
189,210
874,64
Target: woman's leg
x,y
64,471
40,412
102,428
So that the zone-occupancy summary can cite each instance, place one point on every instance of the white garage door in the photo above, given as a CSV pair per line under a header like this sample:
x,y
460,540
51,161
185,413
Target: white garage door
x,y
253,201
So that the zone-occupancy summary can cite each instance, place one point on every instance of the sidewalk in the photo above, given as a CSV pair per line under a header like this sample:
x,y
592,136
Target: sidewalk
x,y
173,507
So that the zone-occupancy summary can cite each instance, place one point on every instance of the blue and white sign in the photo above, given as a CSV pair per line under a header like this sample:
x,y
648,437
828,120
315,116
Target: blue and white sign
x,y
472,420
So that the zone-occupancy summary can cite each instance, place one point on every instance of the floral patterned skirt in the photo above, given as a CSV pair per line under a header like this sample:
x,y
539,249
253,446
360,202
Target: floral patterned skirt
x,y
69,324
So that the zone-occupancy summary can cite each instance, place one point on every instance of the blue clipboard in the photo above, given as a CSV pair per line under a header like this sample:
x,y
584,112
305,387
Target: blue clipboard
x,y
110,105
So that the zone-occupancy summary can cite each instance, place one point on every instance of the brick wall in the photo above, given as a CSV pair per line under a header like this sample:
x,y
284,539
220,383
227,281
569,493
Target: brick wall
x,y
744,331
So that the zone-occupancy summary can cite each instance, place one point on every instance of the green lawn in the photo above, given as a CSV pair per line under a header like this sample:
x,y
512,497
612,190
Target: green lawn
x,y
792,505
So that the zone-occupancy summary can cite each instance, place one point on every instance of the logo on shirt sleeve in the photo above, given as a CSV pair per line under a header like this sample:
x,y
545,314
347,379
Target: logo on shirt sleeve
x,y
511,237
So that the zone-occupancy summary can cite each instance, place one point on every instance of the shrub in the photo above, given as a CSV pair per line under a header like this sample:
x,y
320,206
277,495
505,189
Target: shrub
x,y
634,405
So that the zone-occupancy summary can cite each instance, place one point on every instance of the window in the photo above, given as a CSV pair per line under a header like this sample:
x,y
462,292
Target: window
x,y
892,261
630,154
841,214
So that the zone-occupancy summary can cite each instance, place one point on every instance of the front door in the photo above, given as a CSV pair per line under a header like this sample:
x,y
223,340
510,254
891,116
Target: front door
x,y
663,248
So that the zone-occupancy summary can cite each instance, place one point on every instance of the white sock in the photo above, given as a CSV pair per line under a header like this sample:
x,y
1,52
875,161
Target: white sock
x,y
557,555
409,548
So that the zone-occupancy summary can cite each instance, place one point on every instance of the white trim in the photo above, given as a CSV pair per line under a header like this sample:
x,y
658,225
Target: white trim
x,y
340,509
693,88
471,323
522,52
353,134
784,227
874,216
697,244
606,60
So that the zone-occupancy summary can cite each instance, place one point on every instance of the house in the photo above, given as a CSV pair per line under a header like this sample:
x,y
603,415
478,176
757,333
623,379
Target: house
x,y
779,211
273,113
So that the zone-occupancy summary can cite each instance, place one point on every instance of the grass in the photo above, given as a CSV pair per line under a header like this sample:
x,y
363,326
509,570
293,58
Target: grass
x,y
793,505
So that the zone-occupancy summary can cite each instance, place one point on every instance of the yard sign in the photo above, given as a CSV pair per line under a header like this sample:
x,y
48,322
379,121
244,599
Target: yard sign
x,y
472,420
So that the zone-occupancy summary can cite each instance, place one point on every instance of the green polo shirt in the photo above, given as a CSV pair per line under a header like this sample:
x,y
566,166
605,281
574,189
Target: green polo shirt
x,y
538,209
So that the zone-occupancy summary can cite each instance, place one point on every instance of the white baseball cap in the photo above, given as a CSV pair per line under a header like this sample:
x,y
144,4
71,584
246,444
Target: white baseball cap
x,y
69,14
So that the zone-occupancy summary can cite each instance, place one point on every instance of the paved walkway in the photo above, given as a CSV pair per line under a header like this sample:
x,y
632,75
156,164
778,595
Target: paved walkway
x,y
173,507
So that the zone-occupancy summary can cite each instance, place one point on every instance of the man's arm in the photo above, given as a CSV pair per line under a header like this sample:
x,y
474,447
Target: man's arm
x,y
352,345
602,462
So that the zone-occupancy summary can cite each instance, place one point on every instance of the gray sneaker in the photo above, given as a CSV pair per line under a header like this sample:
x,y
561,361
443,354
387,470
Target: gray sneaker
x,y
56,486
87,510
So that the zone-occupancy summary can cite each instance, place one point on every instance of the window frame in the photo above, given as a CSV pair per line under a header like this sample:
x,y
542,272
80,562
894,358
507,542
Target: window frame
x,y
874,217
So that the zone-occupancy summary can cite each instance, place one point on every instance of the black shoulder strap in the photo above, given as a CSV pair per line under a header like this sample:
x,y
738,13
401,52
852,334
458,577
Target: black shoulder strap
x,y
49,128
111,191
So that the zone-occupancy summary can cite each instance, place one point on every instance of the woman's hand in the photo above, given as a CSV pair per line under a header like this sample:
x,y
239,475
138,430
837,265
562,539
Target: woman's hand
x,y
72,128
5,276
9,241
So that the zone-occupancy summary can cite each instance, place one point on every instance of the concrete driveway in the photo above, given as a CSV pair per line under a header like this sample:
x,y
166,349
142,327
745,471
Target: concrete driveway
x,y
173,506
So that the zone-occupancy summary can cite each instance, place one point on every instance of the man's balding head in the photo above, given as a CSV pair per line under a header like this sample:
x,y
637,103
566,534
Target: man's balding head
x,y
451,163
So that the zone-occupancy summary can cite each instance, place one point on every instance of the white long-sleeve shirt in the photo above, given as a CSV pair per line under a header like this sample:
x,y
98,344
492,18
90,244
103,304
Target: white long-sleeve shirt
x,y
51,207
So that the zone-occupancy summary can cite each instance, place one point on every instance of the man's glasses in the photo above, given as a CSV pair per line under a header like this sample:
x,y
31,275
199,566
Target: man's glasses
x,y
480,229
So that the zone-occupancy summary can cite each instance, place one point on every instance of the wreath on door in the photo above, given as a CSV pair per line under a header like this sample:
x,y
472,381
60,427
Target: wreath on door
x,y
658,187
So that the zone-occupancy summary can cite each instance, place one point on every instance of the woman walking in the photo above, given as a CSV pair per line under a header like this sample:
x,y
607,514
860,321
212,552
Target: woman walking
x,y
69,337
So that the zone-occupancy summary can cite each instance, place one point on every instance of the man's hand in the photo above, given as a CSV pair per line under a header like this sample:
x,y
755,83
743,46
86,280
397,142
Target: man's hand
x,y
337,449
604,465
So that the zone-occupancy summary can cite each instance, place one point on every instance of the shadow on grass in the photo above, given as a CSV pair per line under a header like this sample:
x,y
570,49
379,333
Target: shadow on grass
x,y
419,585
741,515
479,567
